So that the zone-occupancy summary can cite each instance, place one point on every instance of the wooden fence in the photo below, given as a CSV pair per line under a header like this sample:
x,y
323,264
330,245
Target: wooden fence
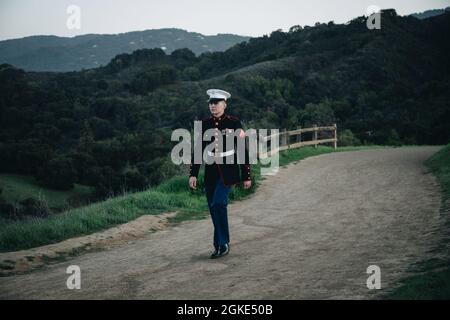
x,y
285,139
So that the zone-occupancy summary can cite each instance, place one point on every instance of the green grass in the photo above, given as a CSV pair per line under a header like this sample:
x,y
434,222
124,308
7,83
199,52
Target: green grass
x,y
433,278
440,166
172,195
18,187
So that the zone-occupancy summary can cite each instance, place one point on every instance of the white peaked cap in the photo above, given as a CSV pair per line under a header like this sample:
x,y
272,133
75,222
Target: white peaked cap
x,y
218,94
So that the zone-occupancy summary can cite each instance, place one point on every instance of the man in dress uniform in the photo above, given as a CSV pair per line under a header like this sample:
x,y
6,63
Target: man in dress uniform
x,y
221,172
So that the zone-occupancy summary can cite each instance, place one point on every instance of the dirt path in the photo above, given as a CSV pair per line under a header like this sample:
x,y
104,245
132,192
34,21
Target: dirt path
x,y
26,260
309,232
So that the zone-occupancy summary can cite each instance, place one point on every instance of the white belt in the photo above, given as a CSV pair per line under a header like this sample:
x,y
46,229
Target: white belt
x,y
221,154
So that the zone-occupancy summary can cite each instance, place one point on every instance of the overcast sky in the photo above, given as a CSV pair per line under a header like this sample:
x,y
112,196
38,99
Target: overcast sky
x,y
20,18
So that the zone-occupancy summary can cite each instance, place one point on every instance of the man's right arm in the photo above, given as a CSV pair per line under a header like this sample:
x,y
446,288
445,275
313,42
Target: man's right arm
x,y
193,173
194,168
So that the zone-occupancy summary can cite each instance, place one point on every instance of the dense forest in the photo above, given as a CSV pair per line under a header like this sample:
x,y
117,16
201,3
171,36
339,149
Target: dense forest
x,y
110,127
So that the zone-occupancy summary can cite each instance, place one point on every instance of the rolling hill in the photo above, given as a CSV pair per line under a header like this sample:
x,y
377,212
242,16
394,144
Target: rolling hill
x,y
52,53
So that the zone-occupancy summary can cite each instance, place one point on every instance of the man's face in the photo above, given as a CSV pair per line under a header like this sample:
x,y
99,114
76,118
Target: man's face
x,y
217,107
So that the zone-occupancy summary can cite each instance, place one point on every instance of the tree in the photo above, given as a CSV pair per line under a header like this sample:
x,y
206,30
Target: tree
x,y
393,138
295,28
191,74
149,80
183,58
319,114
58,174
86,141
347,138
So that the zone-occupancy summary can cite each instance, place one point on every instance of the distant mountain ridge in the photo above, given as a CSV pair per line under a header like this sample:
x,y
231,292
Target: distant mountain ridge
x,y
430,13
52,53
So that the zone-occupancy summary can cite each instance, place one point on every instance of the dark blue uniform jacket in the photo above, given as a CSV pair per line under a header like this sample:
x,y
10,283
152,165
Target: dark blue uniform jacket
x,y
230,174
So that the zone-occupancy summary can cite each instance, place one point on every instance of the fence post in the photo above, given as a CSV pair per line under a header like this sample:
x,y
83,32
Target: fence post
x,y
283,137
335,136
299,136
315,135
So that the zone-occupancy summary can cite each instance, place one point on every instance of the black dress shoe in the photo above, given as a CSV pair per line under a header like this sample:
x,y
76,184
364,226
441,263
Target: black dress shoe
x,y
223,250
214,254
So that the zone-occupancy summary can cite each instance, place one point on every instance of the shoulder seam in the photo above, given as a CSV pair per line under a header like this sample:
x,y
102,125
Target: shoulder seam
x,y
233,117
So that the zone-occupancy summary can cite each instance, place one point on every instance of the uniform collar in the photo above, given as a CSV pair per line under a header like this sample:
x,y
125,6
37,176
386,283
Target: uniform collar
x,y
219,118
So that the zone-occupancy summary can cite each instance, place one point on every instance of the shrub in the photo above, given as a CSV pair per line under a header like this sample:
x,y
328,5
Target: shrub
x,y
347,138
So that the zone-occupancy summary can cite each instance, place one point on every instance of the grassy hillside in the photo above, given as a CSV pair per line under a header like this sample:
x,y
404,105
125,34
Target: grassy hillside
x,y
16,188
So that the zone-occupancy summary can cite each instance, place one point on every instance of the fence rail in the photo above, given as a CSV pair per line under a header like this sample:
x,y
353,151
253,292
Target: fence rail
x,y
286,144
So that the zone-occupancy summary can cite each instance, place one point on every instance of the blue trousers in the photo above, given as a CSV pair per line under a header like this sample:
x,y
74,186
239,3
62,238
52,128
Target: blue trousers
x,y
217,196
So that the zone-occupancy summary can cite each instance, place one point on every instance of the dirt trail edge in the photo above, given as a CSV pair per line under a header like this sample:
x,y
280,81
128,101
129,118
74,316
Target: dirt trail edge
x,y
310,231
27,260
